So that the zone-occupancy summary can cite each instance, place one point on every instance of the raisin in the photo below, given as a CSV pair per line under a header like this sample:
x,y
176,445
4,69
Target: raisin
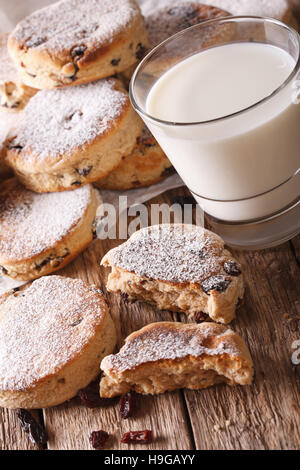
x,y
124,297
60,259
37,434
139,437
89,396
77,52
218,283
17,147
127,405
35,42
76,183
200,317
3,270
168,171
84,171
115,62
98,439
99,291
140,51
200,253
232,268
76,322
31,74
47,260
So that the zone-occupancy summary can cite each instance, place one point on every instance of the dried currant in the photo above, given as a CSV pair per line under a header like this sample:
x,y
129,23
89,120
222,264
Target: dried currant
x,y
99,291
168,171
218,283
77,52
84,171
37,434
98,439
76,323
89,396
115,62
13,146
125,297
127,405
198,252
200,317
35,42
138,437
232,268
140,51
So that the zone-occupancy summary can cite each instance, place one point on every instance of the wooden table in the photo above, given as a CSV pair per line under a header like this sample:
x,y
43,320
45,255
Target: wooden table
x,y
262,416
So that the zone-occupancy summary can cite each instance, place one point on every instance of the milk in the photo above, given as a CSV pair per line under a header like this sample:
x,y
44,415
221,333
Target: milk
x,y
231,164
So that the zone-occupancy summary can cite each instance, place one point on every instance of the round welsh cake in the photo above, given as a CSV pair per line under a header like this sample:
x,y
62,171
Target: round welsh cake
x,y
72,42
40,233
53,336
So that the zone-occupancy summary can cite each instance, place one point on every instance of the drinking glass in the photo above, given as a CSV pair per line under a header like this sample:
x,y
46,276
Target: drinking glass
x,y
252,201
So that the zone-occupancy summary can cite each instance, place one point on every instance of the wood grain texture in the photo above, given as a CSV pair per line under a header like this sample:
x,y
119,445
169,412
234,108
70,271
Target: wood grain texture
x,y
265,415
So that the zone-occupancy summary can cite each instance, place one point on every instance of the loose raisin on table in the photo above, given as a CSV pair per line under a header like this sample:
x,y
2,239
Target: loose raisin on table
x,y
98,439
89,396
232,268
127,405
138,437
37,434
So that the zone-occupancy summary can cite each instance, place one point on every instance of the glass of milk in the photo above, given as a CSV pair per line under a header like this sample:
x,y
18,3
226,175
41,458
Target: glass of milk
x,y
223,100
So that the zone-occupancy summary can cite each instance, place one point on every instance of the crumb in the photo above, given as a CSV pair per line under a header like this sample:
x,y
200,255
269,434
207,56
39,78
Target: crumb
x,y
217,428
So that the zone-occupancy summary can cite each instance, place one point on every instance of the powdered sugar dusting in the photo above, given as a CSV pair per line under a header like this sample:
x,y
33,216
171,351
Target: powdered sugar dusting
x,y
55,122
31,223
173,16
44,327
171,253
172,341
8,71
70,23
272,8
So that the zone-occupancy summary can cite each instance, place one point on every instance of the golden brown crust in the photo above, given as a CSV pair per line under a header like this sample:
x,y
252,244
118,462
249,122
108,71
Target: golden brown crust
x,y
66,331
13,93
73,155
71,42
146,165
166,356
182,268
40,234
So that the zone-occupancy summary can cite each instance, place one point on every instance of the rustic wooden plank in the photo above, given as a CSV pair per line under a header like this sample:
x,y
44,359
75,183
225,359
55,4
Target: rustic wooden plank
x,y
266,414
11,435
70,425
296,248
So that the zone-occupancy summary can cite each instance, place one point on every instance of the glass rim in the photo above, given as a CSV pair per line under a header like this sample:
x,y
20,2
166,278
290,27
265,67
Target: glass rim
x,y
228,19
